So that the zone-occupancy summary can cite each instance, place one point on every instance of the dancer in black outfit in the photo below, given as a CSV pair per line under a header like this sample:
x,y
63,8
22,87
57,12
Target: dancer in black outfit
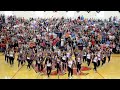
x,y
41,63
84,56
99,58
104,58
70,68
6,55
58,66
109,55
64,58
19,59
88,58
11,56
78,63
48,64
95,59
38,64
28,60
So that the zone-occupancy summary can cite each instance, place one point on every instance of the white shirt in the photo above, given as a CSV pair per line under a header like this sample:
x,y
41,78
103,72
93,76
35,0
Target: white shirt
x,y
98,56
11,54
59,52
62,42
70,64
64,58
79,60
68,55
95,59
48,64
88,56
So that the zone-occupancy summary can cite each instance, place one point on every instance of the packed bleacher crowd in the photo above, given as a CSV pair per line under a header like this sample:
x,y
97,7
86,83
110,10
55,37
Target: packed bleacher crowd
x,y
56,37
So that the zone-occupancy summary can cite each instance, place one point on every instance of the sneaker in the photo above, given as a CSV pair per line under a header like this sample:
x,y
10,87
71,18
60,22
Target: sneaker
x,y
71,77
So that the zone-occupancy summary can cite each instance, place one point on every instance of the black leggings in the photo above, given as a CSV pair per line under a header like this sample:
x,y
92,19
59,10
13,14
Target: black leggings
x,y
88,61
63,65
29,63
36,63
6,58
11,60
98,64
70,71
20,61
108,58
95,66
58,68
78,67
48,70
84,58
104,60
41,67
38,66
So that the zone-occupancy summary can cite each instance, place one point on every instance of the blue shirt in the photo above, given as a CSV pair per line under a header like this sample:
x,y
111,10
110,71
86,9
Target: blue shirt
x,y
108,42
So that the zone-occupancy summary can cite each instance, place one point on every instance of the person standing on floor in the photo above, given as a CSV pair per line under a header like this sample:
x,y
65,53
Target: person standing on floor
x,y
11,56
64,58
48,64
88,58
8,60
95,59
84,55
19,59
58,65
108,54
28,60
70,68
104,58
41,63
78,63
99,58
6,55
38,62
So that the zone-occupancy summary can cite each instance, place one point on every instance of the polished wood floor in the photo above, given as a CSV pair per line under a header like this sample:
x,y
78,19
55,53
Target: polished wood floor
x,y
108,71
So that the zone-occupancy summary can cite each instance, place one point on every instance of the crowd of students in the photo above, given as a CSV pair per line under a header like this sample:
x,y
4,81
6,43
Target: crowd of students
x,y
60,43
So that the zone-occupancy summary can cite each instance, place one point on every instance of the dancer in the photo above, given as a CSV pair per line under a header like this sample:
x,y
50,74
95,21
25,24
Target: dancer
x,y
84,55
70,68
64,62
88,58
109,55
48,64
11,56
95,59
99,58
58,66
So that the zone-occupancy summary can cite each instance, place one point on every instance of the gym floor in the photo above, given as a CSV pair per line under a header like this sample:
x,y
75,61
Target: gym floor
x,y
108,71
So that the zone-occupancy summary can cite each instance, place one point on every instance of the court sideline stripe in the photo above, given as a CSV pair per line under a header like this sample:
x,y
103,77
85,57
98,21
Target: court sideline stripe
x,y
17,72
101,75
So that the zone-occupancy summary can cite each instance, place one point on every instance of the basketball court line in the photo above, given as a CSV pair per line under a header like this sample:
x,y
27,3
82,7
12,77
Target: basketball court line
x,y
17,72
101,75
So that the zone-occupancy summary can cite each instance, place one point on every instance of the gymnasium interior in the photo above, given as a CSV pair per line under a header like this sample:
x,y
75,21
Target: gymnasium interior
x,y
13,25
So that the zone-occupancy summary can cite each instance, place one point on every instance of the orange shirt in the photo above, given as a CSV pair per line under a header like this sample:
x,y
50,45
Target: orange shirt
x,y
67,35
